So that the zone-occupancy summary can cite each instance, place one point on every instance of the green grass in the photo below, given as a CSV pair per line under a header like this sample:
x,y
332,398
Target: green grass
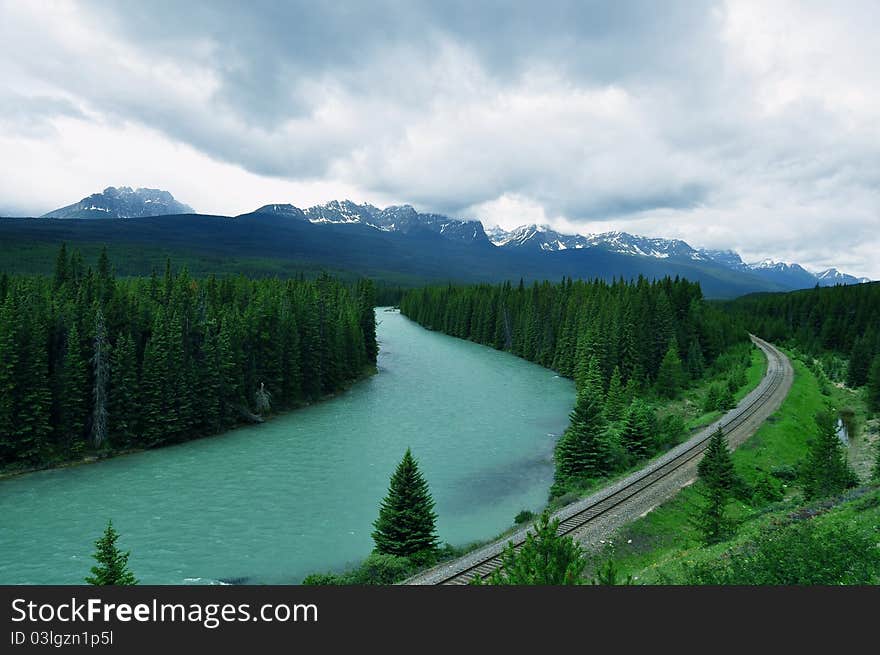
x,y
690,407
649,546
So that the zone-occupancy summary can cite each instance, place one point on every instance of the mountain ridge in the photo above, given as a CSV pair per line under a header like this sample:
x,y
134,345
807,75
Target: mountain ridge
x,y
341,230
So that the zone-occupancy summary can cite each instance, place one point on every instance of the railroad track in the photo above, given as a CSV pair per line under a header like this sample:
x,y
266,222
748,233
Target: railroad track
x,y
575,517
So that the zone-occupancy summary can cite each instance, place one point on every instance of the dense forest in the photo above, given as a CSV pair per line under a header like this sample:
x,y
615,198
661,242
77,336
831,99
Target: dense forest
x,y
622,343
843,319
92,361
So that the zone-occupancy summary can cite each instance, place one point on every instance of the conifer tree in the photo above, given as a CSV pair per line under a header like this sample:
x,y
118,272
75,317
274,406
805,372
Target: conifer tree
x,y
101,377
61,274
366,296
544,559
406,525
639,434
716,469
585,449
669,377
615,400
826,471
112,564
74,392
711,519
874,384
122,410
8,386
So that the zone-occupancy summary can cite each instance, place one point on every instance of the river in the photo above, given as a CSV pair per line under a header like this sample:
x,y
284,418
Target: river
x,y
298,494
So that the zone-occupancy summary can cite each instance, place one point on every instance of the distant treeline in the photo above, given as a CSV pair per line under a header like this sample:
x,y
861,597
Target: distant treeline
x,y
91,361
625,345
628,326
840,319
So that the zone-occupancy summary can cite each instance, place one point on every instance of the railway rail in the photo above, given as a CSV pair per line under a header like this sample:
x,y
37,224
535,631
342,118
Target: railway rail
x,y
578,515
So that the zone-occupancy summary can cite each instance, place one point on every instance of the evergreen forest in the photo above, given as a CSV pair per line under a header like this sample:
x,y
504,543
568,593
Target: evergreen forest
x,y
90,362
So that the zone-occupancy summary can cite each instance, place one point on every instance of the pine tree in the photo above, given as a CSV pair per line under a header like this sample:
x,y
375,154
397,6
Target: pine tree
x,y
669,377
101,377
826,471
584,450
61,274
711,519
406,525
112,567
859,362
615,400
639,435
696,364
122,412
74,393
713,399
874,385
366,296
9,319
544,559
716,469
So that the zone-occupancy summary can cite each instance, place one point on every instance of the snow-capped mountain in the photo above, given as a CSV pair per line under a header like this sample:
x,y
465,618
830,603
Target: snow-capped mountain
x,y
123,202
396,218
831,276
544,238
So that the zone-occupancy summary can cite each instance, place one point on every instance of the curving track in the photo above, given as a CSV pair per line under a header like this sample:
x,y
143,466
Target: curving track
x,y
643,489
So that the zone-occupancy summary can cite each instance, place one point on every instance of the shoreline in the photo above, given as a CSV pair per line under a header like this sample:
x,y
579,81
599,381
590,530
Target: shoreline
x,y
94,458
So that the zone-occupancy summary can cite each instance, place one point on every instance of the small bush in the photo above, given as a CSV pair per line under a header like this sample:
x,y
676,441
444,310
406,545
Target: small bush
x,y
798,554
524,517
381,569
785,473
323,579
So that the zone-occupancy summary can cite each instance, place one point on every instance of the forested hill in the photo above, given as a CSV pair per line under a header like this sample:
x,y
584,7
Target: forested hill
x,y
91,362
841,319
629,326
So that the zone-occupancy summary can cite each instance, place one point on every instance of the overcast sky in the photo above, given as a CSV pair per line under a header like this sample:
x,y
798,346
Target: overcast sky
x,y
745,125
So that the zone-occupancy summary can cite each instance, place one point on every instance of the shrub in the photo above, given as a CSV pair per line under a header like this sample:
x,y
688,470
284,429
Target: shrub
x,y
798,554
524,517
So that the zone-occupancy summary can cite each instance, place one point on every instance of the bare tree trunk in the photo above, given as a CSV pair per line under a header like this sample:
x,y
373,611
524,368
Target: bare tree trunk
x,y
101,367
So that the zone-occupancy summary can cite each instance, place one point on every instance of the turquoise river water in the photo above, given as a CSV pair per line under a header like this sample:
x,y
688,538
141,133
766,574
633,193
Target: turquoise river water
x,y
298,494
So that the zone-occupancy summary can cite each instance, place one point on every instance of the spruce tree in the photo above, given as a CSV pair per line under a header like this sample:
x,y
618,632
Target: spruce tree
x,y
669,377
716,469
874,385
101,377
826,471
74,394
639,434
544,559
112,567
711,519
61,274
615,400
123,407
719,481
406,525
585,449
8,380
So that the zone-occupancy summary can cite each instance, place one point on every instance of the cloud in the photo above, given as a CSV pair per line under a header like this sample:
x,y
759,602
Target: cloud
x,y
730,124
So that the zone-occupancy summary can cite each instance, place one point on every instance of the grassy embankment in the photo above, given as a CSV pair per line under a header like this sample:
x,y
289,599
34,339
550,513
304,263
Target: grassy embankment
x,y
662,546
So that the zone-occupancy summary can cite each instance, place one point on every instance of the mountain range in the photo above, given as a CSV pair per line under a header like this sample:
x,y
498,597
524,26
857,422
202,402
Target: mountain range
x,y
399,242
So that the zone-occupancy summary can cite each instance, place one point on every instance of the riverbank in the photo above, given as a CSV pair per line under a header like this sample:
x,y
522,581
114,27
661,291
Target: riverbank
x,y
95,457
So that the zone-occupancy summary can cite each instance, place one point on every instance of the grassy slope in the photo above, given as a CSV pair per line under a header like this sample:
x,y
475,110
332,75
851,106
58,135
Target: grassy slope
x,y
655,548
